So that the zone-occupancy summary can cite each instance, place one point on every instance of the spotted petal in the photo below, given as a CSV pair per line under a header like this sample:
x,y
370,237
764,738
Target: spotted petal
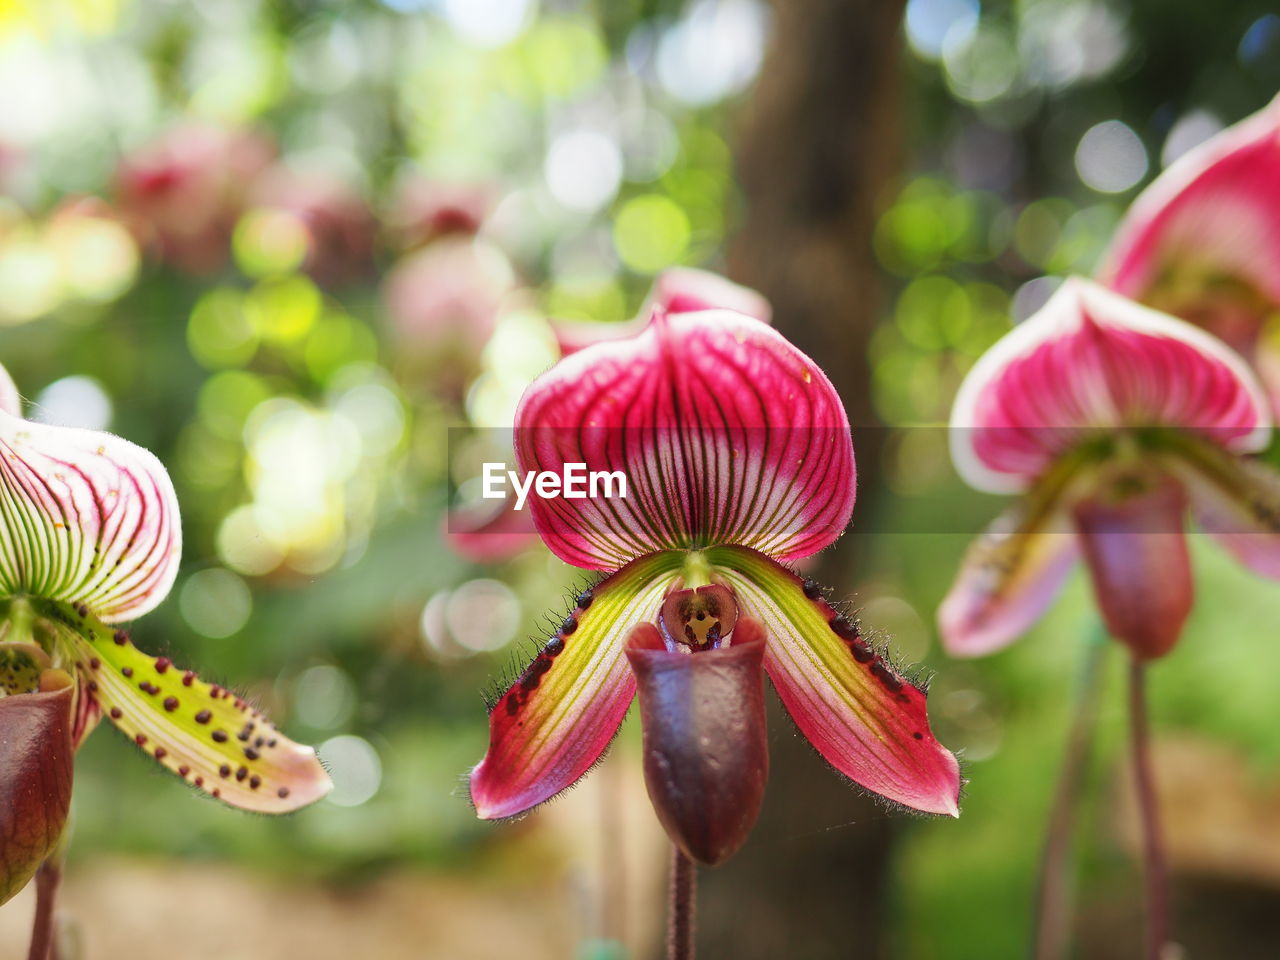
x,y
204,733
1086,364
560,714
1211,221
725,432
85,517
865,719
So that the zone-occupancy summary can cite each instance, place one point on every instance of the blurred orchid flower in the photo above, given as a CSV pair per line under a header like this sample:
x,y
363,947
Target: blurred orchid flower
x,y
677,290
426,210
337,222
1111,420
183,192
90,536
738,459
1203,240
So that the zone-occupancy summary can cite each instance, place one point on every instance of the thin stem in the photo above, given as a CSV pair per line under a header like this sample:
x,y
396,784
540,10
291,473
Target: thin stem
x,y
1056,887
680,908
42,927
1155,874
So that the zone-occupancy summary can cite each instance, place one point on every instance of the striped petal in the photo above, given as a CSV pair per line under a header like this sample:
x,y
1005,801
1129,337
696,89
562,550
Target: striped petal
x,y
204,733
85,517
1086,364
678,290
553,723
1203,240
865,719
1235,500
725,432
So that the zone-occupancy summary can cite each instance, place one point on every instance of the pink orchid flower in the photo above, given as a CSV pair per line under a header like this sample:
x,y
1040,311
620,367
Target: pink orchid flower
x,y
676,290
1203,240
1112,420
738,458
90,537
183,192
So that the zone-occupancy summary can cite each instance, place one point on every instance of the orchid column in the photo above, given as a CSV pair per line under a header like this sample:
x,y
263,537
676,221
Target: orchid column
x,y
1112,421
90,537
738,459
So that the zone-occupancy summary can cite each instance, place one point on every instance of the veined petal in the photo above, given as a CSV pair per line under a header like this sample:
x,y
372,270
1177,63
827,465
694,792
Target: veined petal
x,y
85,517
1213,216
1007,579
724,431
678,290
1236,500
556,719
1087,363
867,721
35,777
204,733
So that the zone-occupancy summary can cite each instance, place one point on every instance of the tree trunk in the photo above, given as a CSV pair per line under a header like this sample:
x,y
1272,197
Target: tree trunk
x,y
821,142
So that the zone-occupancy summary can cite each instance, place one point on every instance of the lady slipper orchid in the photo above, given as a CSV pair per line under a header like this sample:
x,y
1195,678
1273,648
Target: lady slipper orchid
x,y
738,459
90,534
1112,420
1202,241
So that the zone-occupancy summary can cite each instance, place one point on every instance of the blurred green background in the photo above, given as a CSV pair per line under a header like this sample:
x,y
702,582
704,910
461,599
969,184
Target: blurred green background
x,y
288,245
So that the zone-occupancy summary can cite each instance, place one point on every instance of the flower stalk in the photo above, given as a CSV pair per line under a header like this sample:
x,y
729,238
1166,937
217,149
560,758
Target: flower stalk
x,y
682,906
43,925
1154,869
1055,888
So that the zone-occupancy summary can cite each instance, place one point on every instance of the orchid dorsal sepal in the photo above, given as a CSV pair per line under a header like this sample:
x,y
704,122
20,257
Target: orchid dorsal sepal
x,y
207,735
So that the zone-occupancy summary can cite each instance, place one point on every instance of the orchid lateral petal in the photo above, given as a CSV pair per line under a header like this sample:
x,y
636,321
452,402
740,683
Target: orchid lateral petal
x,y
724,431
677,290
85,517
1089,362
1008,578
1207,230
35,777
204,733
866,720
557,718
1235,500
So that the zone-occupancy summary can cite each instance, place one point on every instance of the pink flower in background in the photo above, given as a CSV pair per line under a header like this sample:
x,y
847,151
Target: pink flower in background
x,y
1202,242
183,192
426,210
447,296
1111,420
677,290
90,537
339,226
738,458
